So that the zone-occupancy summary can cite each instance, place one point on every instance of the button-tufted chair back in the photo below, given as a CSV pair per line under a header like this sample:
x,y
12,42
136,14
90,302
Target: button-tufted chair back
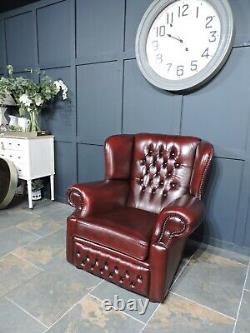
x,y
160,168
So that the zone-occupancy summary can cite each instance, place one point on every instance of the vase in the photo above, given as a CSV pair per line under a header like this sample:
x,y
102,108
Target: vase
x,y
24,123
3,120
34,124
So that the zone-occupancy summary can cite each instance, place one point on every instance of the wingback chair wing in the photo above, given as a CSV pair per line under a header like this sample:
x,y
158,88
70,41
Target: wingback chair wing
x,y
132,227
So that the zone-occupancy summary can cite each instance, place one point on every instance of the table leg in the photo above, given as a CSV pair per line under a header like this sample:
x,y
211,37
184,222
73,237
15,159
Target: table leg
x,y
29,184
52,187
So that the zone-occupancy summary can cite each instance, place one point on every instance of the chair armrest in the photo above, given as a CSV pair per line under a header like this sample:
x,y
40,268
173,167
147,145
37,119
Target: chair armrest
x,y
97,197
178,220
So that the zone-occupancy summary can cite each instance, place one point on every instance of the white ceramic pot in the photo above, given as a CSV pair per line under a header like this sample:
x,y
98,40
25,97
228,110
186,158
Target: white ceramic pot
x,y
36,195
13,121
24,123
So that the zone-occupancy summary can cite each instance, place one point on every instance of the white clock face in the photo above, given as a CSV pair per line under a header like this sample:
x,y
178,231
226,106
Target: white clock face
x,y
183,39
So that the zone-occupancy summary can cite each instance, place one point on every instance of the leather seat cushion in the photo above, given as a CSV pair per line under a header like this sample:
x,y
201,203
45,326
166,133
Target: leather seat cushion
x,y
127,230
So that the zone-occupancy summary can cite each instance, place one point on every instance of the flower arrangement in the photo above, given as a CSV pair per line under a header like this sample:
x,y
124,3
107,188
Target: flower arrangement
x,y
31,97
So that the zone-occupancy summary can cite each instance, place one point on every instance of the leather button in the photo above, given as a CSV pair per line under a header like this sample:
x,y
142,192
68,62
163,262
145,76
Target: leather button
x,y
132,285
127,275
110,275
172,153
121,279
164,164
164,194
173,185
139,278
177,165
153,190
87,259
106,266
101,270
143,162
78,254
161,183
116,270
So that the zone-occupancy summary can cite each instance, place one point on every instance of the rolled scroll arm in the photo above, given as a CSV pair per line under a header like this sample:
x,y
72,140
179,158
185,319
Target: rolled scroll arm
x,y
178,220
97,197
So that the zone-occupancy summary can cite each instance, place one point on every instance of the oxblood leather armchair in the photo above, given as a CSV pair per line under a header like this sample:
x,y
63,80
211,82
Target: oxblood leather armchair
x,y
132,227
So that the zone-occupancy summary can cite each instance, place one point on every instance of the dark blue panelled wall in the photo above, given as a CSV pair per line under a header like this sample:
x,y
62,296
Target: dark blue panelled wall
x,y
90,45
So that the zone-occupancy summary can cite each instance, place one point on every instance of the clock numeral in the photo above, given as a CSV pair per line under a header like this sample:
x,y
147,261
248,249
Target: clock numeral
x,y
155,45
170,18
213,36
194,65
161,31
159,58
205,54
183,11
197,12
169,65
180,70
209,19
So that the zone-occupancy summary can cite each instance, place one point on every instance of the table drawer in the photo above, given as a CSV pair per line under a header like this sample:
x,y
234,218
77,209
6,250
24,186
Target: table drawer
x,y
11,144
17,156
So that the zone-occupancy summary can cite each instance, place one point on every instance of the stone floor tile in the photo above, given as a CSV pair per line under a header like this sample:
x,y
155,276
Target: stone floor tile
x,y
42,251
181,315
213,281
48,295
239,257
40,226
247,286
10,218
14,320
109,291
243,323
52,209
13,237
14,272
89,316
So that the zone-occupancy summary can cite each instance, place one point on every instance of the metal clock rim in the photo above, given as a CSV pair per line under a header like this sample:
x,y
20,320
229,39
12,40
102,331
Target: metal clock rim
x,y
226,43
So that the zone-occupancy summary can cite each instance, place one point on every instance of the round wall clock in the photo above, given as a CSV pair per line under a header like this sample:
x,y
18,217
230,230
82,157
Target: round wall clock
x,y
181,44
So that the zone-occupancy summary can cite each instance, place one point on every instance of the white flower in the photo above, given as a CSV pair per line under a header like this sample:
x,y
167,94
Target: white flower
x,y
24,99
38,100
60,85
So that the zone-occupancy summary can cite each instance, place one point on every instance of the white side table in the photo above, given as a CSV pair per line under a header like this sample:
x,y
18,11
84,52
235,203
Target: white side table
x,y
33,158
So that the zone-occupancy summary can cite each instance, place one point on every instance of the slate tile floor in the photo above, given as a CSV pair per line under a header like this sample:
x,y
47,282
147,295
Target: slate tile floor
x,y
40,292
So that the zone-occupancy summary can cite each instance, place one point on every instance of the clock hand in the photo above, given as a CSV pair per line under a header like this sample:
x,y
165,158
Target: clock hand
x,y
177,38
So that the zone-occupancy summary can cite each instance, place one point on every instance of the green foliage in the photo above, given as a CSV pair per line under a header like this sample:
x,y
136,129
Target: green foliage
x,y
30,96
